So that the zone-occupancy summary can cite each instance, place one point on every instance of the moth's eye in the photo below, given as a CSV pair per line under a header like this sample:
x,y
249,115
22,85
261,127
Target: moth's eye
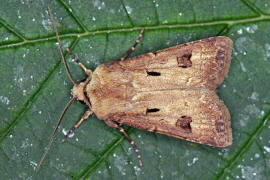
x,y
153,110
81,102
153,73
184,61
83,80
184,122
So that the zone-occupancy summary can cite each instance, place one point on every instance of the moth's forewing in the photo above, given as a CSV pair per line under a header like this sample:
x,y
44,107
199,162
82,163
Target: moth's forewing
x,y
171,91
210,61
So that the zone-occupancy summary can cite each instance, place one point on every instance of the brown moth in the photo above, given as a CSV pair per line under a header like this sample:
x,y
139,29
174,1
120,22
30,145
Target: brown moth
x,y
171,91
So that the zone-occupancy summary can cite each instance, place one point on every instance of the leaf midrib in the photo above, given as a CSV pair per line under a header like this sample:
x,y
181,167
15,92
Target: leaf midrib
x,y
229,23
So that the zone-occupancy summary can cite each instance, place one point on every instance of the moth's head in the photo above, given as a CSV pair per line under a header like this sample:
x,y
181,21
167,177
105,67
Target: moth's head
x,y
78,91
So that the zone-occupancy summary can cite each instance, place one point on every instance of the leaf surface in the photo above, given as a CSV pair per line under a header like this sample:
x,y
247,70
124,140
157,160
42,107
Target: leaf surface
x,y
35,88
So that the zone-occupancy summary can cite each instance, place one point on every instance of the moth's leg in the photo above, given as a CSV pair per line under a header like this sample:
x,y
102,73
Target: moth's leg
x,y
117,126
87,71
134,45
78,123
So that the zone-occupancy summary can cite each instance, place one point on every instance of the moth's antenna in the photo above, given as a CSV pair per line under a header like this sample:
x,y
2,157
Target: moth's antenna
x,y
54,132
60,47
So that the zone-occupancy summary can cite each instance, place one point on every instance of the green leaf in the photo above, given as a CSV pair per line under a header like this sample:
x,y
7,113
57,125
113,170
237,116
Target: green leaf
x,y
35,88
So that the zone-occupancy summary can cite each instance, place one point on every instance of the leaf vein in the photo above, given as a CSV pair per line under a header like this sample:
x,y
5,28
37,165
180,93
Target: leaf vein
x,y
76,18
13,30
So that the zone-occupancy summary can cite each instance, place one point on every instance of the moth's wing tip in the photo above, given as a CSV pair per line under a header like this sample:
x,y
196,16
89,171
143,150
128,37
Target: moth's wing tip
x,y
225,42
229,140
226,144
221,143
224,131
225,38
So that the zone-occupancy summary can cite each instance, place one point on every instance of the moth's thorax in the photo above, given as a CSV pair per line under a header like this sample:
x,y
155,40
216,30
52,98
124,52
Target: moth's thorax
x,y
78,91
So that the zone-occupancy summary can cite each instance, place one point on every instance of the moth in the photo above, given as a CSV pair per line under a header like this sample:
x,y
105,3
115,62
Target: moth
x,y
170,91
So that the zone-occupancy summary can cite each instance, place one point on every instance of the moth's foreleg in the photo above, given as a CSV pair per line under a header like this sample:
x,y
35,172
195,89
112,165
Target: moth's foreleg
x,y
134,45
117,126
78,123
87,71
